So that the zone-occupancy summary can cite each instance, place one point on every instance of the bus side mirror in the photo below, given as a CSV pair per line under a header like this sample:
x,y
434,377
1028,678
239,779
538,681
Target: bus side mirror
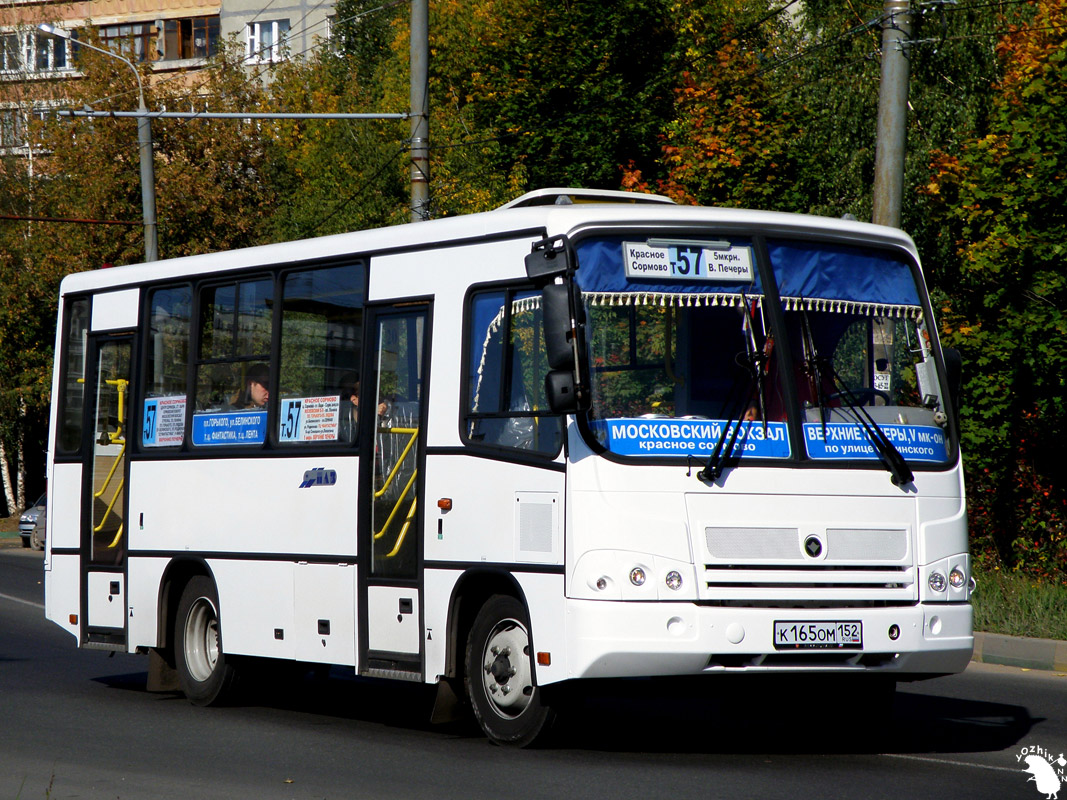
x,y
551,266
550,259
561,392
556,309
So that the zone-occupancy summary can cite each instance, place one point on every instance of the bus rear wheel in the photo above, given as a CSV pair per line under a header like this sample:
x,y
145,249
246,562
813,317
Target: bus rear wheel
x,y
499,675
204,675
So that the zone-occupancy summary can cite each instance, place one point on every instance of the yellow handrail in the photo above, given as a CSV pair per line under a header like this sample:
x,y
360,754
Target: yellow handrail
x,y
396,506
122,385
396,467
404,530
414,434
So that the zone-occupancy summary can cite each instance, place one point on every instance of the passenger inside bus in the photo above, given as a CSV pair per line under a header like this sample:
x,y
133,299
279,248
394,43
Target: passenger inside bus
x,y
254,393
349,411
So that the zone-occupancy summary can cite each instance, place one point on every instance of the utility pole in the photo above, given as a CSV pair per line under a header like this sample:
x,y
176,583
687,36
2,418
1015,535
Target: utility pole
x,y
420,110
892,114
144,144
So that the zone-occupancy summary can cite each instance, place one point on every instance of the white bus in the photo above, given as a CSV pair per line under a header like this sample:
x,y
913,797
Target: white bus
x,y
586,435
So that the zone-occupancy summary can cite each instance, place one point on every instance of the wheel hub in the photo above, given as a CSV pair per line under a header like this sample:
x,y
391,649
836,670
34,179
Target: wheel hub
x,y
507,675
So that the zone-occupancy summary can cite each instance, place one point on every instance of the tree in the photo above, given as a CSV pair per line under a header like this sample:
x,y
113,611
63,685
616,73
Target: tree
x,y
209,197
727,142
1002,197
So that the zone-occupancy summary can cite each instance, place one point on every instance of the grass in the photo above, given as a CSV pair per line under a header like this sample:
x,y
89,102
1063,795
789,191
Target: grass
x,y
1018,605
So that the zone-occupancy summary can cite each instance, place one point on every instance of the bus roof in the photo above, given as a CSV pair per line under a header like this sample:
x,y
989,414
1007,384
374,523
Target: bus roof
x,y
532,217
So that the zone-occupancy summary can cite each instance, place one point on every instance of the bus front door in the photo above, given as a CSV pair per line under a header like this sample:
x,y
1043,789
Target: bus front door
x,y
393,418
103,536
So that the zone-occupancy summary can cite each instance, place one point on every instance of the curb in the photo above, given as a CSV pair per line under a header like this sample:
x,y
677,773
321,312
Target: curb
x,y
1017,651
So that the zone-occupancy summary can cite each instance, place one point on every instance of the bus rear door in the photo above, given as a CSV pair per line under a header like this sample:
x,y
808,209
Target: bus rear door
x,y
392,458
104,512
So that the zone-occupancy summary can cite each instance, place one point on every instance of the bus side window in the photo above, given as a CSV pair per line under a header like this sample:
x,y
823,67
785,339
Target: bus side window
x,y
169,326
72,389
322,343
234,349
506,406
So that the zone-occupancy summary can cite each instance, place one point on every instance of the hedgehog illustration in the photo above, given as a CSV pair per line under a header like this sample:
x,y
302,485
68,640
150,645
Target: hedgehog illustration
x,y
1042,773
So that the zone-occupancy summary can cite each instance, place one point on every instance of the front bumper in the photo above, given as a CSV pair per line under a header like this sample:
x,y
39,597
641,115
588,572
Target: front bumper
x,y
632,639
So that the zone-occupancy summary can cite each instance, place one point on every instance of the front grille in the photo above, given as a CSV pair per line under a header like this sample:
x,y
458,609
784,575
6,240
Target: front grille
x,y
811,583
828,568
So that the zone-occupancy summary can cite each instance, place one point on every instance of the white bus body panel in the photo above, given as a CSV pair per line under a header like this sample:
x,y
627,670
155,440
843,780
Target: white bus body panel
x,y
116,310
393,619
64,506
107,600
325,613
62,597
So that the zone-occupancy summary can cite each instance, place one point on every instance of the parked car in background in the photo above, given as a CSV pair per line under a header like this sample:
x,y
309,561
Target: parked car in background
x,y
28,523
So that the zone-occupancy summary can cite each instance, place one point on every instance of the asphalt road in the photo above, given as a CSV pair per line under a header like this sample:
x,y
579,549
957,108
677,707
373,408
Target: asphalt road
x,y
80,724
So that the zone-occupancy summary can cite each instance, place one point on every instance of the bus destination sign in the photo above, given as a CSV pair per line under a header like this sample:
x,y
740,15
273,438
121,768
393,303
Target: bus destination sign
x,y
688,261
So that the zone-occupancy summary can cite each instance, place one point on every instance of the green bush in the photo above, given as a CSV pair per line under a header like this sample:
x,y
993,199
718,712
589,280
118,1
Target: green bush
x,y
1019,605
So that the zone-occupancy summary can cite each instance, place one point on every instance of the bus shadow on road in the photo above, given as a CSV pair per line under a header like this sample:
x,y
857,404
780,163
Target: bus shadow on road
x,y
760,714
727,714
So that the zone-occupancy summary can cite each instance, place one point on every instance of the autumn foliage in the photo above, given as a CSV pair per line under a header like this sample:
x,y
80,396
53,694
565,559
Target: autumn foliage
x,y
719,102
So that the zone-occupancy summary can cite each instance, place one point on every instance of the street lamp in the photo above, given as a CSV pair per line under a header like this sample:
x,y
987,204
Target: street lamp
x,y
144,142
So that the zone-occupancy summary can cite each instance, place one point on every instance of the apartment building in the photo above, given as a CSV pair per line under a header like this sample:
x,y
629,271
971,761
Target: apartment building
x,y
169,34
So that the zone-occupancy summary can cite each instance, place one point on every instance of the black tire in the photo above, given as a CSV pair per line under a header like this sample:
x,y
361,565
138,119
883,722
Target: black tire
x,y
499,676
35,538
204,673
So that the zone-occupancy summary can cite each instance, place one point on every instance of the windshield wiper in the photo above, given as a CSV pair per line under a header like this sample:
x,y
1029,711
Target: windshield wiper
x,y
717,460
899,470
754,363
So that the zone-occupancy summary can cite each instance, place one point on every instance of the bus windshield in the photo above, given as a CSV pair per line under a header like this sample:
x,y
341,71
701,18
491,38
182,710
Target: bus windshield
x,y
687,358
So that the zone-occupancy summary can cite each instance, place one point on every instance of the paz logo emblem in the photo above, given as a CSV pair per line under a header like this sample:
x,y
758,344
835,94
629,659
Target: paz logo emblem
x,y
813,546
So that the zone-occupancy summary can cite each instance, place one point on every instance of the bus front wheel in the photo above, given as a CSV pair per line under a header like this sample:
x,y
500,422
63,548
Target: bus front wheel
x,y
204,675
499,675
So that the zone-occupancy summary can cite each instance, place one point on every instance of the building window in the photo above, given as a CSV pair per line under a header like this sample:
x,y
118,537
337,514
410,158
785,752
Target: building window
x,y
136,41
34,52
12,129
196,37
10,60
265,41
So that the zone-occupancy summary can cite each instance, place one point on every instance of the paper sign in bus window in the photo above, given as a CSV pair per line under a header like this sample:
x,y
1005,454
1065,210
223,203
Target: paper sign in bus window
x,y
309,419
164,421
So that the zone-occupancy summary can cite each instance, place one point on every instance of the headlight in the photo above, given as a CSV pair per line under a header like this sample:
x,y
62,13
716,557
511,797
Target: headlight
x,y
674,580
25,518
956,578
937,582
637,576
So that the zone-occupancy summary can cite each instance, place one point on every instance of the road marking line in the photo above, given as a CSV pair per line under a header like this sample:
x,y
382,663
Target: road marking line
x,y
953,763
20,600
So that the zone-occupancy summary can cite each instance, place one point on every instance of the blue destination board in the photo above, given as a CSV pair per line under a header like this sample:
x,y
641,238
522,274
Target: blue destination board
x,y
679,437
848,440
230,428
